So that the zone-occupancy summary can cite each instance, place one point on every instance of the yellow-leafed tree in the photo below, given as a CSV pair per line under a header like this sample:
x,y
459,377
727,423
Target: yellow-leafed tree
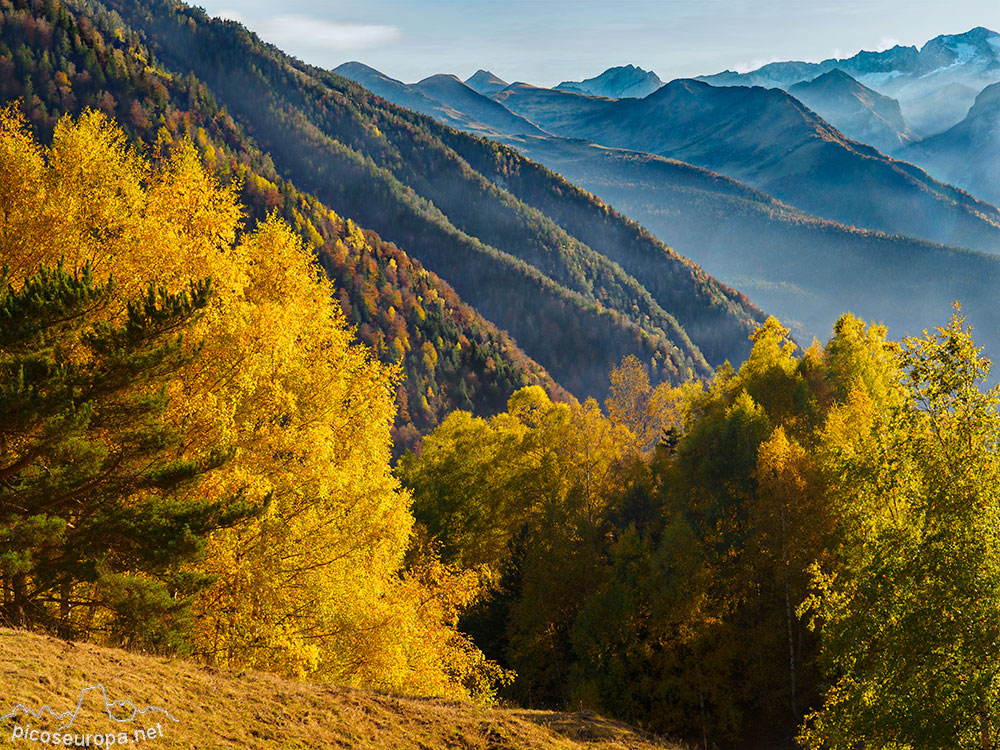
x,y
313,584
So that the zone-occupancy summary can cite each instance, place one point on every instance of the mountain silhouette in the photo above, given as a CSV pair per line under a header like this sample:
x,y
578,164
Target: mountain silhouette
x,y
860,113
485,82
624,82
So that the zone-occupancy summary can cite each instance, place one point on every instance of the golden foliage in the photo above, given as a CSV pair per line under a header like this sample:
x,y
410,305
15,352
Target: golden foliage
x,y
313,585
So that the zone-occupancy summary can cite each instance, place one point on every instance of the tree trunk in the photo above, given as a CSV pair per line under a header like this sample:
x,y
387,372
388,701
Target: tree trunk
x,y
64,609
19,603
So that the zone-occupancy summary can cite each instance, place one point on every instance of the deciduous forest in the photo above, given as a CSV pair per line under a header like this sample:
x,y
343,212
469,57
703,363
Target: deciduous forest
x,y
237,426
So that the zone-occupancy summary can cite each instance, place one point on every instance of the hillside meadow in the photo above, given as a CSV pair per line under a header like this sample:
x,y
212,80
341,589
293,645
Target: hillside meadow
x,y
220,709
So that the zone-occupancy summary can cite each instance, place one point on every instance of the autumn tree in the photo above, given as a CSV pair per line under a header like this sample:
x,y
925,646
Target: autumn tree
x,y
908,608
315,583
652,414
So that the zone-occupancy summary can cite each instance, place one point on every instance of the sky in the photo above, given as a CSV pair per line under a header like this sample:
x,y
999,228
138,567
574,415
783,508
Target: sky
x,y
544,42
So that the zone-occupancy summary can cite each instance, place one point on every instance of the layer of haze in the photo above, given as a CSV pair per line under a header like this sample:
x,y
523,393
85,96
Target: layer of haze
x,y
547,41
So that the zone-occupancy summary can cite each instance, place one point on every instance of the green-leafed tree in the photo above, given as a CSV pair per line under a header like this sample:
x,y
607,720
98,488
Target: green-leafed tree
x,y
97,512
909,609
524,495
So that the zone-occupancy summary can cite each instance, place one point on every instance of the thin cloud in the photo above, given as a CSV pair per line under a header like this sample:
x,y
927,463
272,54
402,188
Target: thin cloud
x,y
309,31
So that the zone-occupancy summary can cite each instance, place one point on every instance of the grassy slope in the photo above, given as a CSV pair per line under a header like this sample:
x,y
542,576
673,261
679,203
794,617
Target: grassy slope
x,y
222,710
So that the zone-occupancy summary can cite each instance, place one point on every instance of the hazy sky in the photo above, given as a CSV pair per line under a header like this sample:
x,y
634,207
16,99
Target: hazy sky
x,y
548,41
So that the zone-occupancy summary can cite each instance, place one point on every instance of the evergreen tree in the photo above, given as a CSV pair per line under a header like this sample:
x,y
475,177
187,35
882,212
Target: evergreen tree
x,y
98,514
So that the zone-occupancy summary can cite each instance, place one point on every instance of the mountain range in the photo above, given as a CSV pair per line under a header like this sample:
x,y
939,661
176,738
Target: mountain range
x,y
768,139
517,251
935,84
803,265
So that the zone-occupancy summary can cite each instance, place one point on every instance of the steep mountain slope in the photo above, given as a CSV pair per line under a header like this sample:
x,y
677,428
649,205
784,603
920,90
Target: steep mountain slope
x,y
968,154
857,111
218,709
568,306
770,140
623,82
485,82
451,356
805,270
935,85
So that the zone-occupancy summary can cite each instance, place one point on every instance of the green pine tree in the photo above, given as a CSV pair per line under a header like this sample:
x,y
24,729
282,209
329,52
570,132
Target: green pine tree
x,y
99,511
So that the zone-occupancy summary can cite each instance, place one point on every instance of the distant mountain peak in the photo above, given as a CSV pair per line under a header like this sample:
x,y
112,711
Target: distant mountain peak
x,y
355,66
975,35
976,45
622,82
834,75
935,84
859,112
485,82
835,80
442,78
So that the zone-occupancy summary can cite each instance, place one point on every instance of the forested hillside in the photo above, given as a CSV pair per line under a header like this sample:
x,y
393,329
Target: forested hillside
x,y
195,451
805,270
567,305
58,61
807,548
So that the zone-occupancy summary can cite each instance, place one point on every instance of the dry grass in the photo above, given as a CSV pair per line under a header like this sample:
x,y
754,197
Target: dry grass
x,y
223,710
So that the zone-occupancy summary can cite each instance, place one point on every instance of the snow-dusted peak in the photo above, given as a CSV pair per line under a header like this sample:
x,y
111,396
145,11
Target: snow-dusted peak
x,y
623,82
